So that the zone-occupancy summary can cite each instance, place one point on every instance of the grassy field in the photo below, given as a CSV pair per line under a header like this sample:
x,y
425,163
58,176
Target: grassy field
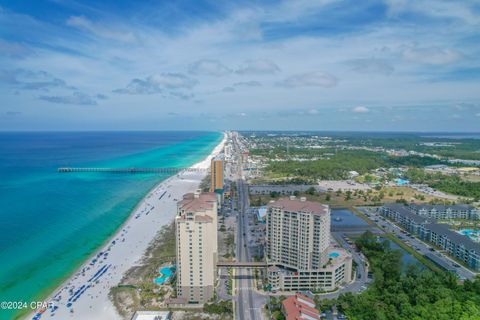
x,y
356,198
470,177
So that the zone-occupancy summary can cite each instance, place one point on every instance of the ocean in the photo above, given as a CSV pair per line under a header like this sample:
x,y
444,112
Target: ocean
x,y
51,222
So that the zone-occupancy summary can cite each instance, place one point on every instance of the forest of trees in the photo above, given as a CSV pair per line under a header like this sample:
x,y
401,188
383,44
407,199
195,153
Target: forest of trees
x,y
459,149
412,295
450,184
338,166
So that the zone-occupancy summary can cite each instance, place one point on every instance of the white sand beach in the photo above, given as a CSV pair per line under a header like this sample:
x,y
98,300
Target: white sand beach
x,y
84,296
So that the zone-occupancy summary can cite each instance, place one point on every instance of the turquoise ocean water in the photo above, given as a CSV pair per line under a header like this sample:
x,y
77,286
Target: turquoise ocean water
x,y
50,222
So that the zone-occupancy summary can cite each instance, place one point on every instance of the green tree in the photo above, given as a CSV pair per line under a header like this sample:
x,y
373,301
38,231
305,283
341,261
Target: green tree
x,y
311,191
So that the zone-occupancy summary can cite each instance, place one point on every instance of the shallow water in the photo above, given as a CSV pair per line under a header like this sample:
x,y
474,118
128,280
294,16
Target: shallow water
x,y
51,222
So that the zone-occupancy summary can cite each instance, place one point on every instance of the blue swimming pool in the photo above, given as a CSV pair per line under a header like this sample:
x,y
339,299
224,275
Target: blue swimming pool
x,y
472,234
166,272
401,182
333,254
160,280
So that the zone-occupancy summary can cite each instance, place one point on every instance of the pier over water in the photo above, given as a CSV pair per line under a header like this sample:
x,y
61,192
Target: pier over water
x,y
130,170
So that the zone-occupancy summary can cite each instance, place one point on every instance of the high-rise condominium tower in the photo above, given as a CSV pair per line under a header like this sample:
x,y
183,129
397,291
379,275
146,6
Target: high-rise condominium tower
x,y
196,244
216,175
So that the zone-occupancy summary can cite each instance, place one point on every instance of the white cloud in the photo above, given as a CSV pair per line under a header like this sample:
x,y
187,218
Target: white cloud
x,y
95,56
432,55
13,113
173,81
99,30
247,84
313,112
33,80
459,10
77,98
209,67
371,66
360,110
228,89
14,50
160,83
259,66
394,7
311,79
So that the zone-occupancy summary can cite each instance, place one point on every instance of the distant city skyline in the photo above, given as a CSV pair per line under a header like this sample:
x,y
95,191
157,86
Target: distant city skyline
x,y
385,65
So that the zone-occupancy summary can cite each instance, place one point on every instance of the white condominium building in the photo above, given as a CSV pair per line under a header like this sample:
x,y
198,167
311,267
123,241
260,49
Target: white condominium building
x,y
298,247
298,233
196,245
457,211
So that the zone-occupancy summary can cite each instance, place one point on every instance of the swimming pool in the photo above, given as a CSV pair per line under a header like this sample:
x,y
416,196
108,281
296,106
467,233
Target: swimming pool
x,y
166,273
401,182
160,280
472,234
333,254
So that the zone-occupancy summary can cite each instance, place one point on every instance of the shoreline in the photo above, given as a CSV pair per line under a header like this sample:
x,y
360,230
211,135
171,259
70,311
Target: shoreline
x,y
86,269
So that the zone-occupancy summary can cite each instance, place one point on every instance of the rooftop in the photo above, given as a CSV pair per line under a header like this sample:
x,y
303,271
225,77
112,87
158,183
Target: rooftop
x,y
337,255
152,315
457,238
195,202
300,205
440,207
406,212
300,307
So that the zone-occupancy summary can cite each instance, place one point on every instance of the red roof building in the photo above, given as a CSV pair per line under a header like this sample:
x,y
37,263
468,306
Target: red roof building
x,y
300,307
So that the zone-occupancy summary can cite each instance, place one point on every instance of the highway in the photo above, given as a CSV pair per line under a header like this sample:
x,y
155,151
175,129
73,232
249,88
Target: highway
x,y
249,302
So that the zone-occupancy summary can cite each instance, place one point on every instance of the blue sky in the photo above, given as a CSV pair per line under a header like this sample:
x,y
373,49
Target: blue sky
x,y
310,65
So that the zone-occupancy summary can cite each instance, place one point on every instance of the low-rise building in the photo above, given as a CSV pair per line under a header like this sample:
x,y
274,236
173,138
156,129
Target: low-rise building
x,y
458,211
457,245
152,315
403,216
300,307
262,214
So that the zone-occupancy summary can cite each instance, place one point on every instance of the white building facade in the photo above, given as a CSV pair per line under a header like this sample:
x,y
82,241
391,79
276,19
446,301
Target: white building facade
x,y
298,248
196,247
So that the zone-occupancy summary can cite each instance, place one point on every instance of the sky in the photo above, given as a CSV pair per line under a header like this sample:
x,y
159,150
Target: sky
x,y
386,65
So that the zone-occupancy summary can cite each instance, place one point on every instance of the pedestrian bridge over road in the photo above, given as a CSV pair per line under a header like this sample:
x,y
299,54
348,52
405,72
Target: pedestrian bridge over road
x,y
241,264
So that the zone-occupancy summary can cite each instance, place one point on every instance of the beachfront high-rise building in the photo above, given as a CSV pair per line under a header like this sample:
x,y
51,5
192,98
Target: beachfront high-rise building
x,y
196,245
216,175
299,251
